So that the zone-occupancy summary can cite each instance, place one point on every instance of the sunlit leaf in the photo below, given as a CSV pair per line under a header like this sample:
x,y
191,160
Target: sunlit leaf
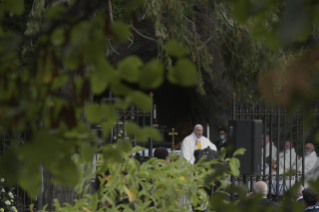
x,y
130,194
239,151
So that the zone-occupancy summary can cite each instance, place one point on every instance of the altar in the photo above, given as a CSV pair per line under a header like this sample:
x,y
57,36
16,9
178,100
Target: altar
x,y
146,152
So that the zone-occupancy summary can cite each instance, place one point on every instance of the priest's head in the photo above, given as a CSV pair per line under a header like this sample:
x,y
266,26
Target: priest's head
x,y
198,130
309,147
287,145
263,138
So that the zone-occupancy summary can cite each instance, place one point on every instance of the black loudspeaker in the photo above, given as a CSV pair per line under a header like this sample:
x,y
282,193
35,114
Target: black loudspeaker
x,y
247,134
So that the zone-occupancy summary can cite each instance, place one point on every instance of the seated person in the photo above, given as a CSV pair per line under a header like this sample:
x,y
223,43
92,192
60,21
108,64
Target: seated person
x,y
310,158
273,151
285,160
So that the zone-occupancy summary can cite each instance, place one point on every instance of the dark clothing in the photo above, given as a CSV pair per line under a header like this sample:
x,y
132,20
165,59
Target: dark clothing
x,y
313,208
300,200
266,202
219,145
206,153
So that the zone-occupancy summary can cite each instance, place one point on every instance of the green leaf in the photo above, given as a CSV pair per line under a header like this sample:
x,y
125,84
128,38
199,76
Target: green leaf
x,y
108,112
175,49
88,151
14,6
152,75
142,101
71,59
152,133
132,128
125,146
184,73
65,172
30,178
92,112
55,12
57,37
241,10
118,88
98,84
122,104
106,128
101,74
129,68
240,151
58,82
234,166
112,152
94,201
120,30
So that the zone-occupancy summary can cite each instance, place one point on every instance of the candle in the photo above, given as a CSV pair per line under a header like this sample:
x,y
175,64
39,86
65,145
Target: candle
x,y
154,113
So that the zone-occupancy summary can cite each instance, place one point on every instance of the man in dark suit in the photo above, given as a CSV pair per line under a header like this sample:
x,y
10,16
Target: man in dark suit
x,y
310,197
222,142
261,187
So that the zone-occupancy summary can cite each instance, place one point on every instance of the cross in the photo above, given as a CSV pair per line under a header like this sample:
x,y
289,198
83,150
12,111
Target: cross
x,y
173,133
110,99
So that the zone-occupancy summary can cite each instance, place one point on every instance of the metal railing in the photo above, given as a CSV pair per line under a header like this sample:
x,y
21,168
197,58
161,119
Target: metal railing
x,y
281,126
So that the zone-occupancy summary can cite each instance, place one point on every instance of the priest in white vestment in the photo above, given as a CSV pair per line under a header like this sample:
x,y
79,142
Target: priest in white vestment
x,y
273,152
284,166
285,160
194,141
310,159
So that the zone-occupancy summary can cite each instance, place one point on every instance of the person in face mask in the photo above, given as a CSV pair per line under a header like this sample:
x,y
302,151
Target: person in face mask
x,y
286,158
310,158
222,142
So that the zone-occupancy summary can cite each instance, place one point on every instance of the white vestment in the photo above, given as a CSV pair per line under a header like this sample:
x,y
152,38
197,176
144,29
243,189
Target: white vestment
x,y
189,146
284,161
273,152
310,161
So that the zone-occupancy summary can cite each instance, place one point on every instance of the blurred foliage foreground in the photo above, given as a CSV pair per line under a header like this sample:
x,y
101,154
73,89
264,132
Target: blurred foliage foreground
x,y
48,77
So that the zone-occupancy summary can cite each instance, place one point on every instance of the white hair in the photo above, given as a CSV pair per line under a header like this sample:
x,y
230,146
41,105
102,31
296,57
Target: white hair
x,y
299,192
261,187
313,147
197,125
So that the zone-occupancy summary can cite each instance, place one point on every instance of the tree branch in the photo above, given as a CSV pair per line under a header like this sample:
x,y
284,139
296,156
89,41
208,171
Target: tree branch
x,y
141,35
110,11
224,15
205,43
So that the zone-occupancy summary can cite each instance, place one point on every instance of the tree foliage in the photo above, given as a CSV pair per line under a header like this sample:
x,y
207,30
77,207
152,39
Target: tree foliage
x,y
64,62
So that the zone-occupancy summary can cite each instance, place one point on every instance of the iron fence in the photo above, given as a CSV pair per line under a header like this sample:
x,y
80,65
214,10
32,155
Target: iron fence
x,y
281,126
132,114
21,199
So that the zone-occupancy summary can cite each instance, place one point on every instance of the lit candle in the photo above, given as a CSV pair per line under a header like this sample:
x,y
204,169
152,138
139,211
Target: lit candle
x,y
154,113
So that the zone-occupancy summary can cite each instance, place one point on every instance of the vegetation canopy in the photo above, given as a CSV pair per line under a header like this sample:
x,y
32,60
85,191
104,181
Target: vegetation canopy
x,y
54,62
